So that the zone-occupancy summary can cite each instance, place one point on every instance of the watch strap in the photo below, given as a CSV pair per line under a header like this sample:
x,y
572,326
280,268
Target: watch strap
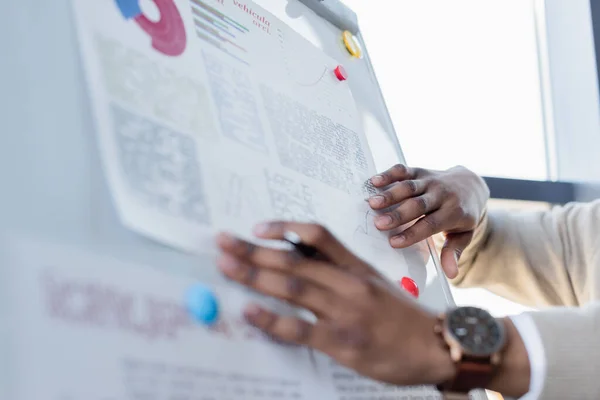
x,y
473,373
455,396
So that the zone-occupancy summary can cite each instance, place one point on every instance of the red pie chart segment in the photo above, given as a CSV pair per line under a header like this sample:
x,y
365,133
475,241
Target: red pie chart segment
x,y
167,34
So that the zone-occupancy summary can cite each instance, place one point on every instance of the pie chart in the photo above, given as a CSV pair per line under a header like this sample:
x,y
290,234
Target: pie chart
x,y
167,34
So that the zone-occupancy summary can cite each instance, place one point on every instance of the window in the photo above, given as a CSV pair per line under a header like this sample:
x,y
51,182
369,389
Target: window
x,y
460,78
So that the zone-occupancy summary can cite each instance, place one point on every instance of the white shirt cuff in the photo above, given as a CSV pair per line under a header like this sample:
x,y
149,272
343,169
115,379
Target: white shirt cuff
x,y
535,351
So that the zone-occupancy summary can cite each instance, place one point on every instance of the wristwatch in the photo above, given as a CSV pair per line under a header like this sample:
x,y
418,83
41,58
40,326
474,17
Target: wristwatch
x,y
475,340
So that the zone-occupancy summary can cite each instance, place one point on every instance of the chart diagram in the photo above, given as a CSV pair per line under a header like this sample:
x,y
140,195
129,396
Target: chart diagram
x,y
219,30
167,34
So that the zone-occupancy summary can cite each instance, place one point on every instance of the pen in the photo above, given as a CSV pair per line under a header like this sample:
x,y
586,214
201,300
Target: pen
x,y
305,250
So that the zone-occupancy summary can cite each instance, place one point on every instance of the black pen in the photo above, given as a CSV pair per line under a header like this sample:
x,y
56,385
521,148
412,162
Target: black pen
x,y
305,250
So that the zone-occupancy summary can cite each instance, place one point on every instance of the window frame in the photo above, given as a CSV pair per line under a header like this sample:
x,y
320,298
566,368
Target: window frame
x,y
529,190
570,81
569,55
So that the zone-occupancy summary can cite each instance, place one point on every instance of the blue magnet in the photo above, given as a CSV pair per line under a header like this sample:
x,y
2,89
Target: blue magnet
x,y
129,8
202,304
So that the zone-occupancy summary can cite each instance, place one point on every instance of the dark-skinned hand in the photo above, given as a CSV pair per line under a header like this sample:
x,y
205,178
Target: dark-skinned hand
x,y
362,320
429,202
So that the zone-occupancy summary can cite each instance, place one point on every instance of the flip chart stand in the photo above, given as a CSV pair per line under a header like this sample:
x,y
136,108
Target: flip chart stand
x,y
335,12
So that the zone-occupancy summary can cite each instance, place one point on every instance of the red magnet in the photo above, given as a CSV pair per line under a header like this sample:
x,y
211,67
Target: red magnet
x,y
340,73
410,286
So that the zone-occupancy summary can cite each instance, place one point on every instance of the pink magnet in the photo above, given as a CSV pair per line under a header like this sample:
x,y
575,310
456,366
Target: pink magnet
x,y
410,286
340,73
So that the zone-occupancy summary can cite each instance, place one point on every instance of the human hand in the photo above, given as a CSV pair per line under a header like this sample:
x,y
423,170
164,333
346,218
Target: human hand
x,y
362,320
451,202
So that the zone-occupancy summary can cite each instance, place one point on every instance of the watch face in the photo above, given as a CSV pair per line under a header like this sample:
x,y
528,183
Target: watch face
x,y
476,330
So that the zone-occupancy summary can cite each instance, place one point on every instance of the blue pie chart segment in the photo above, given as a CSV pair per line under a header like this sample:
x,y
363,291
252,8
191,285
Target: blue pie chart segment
x,y
129,8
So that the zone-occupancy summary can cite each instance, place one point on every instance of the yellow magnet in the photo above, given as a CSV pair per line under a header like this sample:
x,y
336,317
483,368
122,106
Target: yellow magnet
x,y
352,44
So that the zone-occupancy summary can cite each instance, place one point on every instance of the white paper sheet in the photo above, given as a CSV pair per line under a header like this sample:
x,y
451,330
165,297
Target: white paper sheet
x,y
245,121
94,328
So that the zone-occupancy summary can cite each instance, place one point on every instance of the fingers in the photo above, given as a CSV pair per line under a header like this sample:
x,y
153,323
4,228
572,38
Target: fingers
x,y
312,235
291,288
325,336
325,274
398,193
258,255
395,174
290,329
425,227
408,211
455,244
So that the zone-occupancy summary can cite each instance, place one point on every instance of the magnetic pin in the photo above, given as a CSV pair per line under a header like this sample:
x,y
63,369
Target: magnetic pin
x,y
202,304
410,286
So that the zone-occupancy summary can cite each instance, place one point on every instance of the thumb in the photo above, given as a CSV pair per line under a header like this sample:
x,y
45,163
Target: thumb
x,y
455,244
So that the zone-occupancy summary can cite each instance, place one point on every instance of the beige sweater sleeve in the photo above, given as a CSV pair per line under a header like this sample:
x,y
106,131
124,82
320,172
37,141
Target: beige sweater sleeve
x,y
537,258
549,258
